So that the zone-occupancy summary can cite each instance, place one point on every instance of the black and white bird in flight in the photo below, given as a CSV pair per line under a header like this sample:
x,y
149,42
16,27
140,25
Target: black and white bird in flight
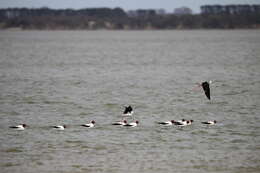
x,y
206,88
128,111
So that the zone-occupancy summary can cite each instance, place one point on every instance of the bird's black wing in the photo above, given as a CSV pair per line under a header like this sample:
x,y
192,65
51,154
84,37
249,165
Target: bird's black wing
x,y
205,86
128,125
117,123
178,123
126,110
85,125
205,122
163,123
130,109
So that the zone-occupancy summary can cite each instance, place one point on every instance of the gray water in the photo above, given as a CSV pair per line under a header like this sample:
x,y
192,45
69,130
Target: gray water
x,y
71,77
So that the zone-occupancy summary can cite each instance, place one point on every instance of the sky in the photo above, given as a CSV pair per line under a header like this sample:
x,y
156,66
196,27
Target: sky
x,y
168,5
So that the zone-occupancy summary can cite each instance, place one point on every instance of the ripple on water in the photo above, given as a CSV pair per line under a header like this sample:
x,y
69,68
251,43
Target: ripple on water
x,y
10,164
111,105
12,113
74,142
234,92
13,150
238,141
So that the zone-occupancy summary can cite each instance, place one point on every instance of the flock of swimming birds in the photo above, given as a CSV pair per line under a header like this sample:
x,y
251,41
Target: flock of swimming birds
x,y
128,112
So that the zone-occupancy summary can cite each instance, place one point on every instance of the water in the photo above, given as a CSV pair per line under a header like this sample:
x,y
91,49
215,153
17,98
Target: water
x,y
72,77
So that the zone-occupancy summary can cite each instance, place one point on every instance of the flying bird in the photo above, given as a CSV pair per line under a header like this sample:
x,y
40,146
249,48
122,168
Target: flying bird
x,y
128,111
206,88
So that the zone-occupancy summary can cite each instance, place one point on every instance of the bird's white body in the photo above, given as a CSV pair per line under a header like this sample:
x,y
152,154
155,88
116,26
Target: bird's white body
x,y
210,122
120,123
89,125
128,114
19,127
59,127
189,122
166,123
181,123
132,124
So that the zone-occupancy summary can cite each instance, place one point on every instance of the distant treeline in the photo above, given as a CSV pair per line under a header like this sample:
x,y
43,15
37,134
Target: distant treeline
x,y
230,9
215,17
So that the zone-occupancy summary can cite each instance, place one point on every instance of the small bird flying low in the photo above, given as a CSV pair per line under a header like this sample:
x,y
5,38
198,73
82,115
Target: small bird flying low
x,y
128,111
206,88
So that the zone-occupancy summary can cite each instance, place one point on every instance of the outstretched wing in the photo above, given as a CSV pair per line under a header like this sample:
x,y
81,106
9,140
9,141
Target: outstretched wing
x,y
128,109
205,86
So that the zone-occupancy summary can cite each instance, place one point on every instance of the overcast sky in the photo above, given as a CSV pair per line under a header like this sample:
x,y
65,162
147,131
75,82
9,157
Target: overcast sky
x,y
168,5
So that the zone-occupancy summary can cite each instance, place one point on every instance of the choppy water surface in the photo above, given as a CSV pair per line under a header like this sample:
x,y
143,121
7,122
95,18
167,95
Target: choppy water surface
x,y
72,77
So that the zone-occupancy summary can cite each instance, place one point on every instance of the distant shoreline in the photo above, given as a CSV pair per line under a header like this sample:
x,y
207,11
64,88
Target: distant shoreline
x,y
211,17
103,29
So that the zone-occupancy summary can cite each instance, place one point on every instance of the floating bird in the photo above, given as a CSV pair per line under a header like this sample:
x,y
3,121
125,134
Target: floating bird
x,y
89,125
167,123
59,127
120,123
128,111
183,122
19,127
133,124
209,122
189,122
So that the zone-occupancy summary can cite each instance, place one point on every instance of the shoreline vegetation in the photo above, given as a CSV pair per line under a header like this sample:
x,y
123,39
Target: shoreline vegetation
x,y
211,17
